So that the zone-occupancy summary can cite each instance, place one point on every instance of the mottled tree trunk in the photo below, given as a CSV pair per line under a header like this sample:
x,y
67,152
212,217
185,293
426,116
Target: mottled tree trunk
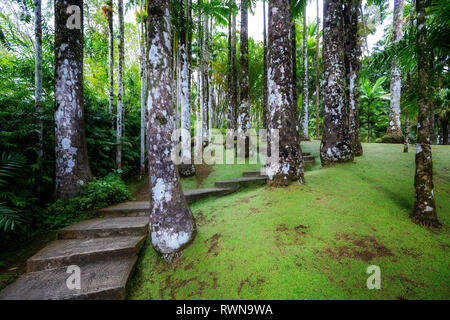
x,y
264,111
38,76
205,76
424,212
172,226
406,141
352,68
121,48
72,164
143,89
186,168
317,71
210,85
199,111
336,144
244,112
110,56
244,107
283,114
305,92
232,73
394,127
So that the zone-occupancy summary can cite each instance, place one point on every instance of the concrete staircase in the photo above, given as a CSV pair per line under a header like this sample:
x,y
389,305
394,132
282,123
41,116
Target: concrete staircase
x,y
105,250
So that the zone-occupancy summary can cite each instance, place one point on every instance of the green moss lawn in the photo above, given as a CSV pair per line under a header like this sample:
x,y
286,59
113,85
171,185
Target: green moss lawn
x,y
312,241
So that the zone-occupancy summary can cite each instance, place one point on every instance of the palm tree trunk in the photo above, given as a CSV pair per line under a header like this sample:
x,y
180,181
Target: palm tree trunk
x,y
199,112
304,118
72,163
205,75
424,212
119,127
317,71
186,168
110,57
283,114
264,111
336,144
38,76
232,77
244,109
352,66
172,226
143,88
394,127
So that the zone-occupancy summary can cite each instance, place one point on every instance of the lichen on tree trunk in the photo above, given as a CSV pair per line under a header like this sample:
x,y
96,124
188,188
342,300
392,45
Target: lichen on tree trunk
x,y
282,112
336,143
394,127
121,49
352,68
72,164
424,211
305,92
172,225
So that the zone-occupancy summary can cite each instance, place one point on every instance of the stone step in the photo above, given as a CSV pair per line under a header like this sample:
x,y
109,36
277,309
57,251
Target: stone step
x,y
309,159
306,154
197,194
141,208
105,279
241,182
61,253
256,173
106,227
127,209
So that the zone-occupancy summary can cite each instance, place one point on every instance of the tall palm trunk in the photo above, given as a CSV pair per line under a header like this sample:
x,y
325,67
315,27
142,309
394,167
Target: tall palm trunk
x,y
143,89
305,91
186,168
317,71
210,85
283,114
424,212
232,76
110,57
172,226
38,75
72,164
199,112
394,127
205,76
244,112
352,68
119,127
336,145
264,111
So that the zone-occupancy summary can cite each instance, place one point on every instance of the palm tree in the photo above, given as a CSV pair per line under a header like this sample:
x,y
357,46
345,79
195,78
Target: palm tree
x,y
317,71
394,127
282,113
38,75
120,87
424,211
172,226
372,97
305,92
336,144
186,168
352,69
72,164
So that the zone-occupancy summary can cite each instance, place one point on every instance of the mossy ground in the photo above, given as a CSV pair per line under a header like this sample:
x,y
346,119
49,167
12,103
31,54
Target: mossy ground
x,y
313,241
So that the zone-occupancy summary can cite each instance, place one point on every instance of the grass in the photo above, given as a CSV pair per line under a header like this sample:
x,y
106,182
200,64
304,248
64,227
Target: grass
x,y
312,241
